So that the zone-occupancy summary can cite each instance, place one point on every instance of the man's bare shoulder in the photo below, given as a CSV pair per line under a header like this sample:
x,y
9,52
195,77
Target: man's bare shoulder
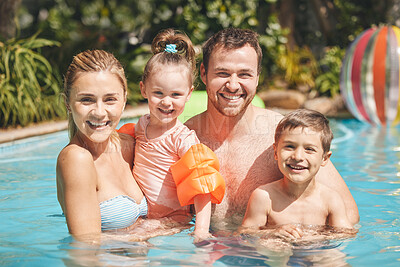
x,y
266,117
268,112
326,192
195,122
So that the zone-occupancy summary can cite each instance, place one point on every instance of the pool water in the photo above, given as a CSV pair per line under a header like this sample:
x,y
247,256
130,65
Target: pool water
x,y
33,231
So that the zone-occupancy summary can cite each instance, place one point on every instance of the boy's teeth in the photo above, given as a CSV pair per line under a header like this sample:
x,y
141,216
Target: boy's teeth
x,y
297,167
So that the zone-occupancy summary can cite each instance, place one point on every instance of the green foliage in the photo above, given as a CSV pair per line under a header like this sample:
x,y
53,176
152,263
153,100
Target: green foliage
x,y
29,88
126,28
328,81
274,44
299,66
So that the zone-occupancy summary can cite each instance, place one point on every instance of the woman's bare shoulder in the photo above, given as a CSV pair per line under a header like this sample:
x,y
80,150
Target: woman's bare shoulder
x,y
74,156
73,151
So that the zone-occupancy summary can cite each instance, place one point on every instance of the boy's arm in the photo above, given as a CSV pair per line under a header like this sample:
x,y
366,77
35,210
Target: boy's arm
x,y
329,176
257,209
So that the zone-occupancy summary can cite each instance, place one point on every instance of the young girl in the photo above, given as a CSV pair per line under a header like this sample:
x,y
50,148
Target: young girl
x,y
171,166
95,186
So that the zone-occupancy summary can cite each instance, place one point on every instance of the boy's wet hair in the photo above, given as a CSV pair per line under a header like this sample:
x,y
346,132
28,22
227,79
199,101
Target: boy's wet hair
x,y
306,118
232,38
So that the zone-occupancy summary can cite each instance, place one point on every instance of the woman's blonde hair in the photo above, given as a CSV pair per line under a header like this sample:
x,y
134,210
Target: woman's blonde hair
x,y
86,62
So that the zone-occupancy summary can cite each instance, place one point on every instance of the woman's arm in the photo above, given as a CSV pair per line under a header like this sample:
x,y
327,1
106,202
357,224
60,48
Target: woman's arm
x,y
76,189
127,147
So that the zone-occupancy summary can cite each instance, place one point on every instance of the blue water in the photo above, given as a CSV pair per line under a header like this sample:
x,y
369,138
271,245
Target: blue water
x,y
33,231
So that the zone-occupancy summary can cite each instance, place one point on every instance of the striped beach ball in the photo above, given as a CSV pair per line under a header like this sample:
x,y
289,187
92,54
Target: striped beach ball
x,y
369,79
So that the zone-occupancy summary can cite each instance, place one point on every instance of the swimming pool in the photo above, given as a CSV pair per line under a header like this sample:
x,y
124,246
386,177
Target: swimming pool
x,y
33,231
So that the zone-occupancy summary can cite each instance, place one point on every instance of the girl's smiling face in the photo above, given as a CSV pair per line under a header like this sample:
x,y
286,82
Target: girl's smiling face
x,y
96,102
300,154
167,90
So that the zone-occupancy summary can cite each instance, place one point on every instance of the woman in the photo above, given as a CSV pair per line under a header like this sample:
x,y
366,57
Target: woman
x,y
95,186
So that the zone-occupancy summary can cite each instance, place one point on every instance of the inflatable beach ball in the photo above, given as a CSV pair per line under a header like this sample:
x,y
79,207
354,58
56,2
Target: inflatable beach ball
x,y
369,81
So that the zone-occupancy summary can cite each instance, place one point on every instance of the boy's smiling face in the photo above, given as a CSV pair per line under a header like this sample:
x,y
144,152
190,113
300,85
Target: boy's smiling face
x,y
300,154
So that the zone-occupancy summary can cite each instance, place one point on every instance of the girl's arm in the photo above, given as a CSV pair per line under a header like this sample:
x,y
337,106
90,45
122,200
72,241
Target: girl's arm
x,y
202,205
76,190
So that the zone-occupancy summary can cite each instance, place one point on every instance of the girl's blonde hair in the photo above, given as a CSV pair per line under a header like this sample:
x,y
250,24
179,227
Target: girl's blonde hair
x,y
86,62
184,53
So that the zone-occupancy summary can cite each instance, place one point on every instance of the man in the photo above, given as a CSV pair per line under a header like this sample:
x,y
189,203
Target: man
x,y
239,133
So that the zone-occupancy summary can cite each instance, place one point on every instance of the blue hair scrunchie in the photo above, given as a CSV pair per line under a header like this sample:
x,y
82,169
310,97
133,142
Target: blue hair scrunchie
x,y
170,48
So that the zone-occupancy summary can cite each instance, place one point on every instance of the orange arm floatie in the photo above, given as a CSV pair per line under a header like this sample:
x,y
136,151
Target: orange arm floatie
x,y
128,128
197,172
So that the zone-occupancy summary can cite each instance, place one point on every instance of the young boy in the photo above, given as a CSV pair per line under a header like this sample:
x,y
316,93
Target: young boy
x,y
302,146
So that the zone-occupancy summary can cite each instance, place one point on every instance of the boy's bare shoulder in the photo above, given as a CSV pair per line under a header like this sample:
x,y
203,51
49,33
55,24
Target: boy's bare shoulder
x,y
275,185
266,191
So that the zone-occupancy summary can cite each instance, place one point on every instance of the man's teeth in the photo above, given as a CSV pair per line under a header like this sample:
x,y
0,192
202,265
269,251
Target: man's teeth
x,y
231,97
97,124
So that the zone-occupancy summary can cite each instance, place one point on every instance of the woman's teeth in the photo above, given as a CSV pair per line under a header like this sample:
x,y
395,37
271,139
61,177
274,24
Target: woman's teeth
x,y
97,124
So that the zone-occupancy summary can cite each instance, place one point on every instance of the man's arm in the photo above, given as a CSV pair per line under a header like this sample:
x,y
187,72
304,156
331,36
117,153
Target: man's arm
x,y
329,176
337,211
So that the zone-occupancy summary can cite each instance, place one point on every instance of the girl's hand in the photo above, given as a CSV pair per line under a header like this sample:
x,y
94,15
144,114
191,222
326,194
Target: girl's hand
x,y
201,235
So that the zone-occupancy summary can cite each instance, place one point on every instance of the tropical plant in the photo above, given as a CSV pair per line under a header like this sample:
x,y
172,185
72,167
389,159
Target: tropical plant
x,y
328,81
299,66
29,87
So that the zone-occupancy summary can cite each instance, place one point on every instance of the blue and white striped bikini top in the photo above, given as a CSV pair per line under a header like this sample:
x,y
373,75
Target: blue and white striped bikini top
x,y
120,212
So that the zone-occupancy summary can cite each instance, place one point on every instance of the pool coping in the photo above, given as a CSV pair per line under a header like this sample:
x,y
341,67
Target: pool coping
x,y
10,135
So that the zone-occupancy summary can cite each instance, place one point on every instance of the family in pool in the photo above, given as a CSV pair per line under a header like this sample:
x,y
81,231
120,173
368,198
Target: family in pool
x,y
233,164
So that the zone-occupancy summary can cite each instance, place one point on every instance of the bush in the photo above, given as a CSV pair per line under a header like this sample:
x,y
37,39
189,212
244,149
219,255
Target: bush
x,y
29,87
328,81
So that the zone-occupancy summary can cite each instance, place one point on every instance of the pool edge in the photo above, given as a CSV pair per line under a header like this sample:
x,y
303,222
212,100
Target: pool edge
x,y
10,135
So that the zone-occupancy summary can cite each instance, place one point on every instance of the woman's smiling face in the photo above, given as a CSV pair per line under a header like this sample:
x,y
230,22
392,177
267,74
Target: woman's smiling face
x,y
96,103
